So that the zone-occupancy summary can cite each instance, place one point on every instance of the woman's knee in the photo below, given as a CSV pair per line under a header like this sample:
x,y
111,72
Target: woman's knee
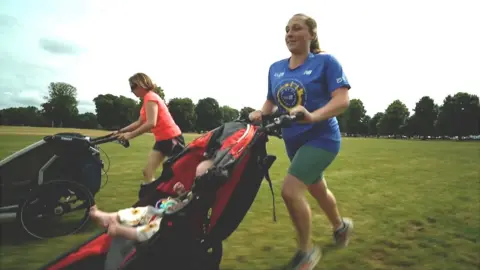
x,y
147,171
154,160
319,189
293,188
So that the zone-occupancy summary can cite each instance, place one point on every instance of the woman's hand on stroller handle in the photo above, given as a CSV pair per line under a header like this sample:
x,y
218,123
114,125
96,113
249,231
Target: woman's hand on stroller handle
x,y
272,124
110,138
283,120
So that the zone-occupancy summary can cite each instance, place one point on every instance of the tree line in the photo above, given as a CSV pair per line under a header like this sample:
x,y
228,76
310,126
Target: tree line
x,y
459,115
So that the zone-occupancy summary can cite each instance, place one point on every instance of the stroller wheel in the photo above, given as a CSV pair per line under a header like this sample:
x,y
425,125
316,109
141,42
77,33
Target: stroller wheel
x,y
56,208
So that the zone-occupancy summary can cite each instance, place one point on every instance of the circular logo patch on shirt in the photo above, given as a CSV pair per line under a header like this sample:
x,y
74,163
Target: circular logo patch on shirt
x,y
291,93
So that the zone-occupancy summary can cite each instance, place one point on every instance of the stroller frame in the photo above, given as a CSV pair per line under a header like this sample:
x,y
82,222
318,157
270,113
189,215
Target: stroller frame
x,y
236,175
63,165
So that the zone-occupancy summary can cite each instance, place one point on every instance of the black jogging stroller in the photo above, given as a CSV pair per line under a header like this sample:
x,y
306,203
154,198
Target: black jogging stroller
x,y
191,237
49,186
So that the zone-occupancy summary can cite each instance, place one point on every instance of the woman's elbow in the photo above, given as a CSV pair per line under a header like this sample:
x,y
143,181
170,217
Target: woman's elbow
x,y
151,125
345,103
342,98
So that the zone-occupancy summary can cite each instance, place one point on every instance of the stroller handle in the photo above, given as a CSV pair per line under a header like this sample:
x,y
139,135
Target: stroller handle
x,y
271,124
281,120
85,140
109,138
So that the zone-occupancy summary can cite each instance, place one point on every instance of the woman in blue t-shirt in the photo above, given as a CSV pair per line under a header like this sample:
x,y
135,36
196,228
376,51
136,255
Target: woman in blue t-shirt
x,y
314,83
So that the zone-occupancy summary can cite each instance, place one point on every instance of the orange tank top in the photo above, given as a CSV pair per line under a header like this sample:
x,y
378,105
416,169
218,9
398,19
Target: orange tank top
x,y
166,127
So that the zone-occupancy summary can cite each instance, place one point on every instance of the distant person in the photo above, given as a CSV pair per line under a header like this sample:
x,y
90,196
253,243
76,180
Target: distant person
x,y
314,83
154,117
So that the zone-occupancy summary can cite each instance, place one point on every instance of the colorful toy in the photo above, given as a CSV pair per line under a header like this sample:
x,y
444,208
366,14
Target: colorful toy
x,y
166,204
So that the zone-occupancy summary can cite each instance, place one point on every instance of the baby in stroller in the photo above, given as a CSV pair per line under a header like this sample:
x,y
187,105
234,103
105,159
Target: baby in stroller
x,y
141,223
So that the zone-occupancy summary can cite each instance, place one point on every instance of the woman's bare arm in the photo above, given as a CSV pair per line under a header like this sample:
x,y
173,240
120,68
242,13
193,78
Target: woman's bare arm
x,y
151,109
131,127
268,107
337,105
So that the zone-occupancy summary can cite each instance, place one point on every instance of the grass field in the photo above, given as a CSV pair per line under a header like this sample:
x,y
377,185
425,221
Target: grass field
x,y
416,205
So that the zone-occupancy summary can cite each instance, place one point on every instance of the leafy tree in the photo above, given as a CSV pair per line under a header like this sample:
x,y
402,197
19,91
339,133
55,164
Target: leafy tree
x,y
183,112
395,117
446,117
408,129
114,112
353,116
459,115
341,122
61,104
467,111
364,124
105,109
478,124
209,115
423,121
229,114
22,116
126,111
373,123
87,120
245,111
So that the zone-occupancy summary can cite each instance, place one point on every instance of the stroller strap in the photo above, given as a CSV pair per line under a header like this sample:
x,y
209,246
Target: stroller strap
x,y
266,164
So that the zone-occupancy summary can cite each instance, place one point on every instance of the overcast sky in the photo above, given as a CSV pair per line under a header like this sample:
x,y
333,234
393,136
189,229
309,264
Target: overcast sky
x,y
223,49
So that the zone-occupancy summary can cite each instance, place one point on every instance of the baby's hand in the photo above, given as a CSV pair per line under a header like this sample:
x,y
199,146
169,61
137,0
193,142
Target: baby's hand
x,y
179,188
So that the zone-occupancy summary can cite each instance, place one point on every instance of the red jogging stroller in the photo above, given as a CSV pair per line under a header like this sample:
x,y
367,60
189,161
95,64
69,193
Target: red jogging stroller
x,y
191,238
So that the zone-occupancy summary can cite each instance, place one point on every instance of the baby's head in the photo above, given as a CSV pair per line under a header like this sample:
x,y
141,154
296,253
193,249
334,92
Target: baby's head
x,y
203,167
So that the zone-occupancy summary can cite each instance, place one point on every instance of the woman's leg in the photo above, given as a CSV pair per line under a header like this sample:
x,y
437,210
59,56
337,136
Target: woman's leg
x,y
293,194
326,200
308,165
161,149
155,158
306,172
342,227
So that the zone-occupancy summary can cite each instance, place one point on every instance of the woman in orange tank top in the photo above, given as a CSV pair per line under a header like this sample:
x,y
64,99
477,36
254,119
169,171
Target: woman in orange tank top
x,y
154,117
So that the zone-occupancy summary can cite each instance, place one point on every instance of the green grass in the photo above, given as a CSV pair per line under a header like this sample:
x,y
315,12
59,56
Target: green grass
x,y
415,205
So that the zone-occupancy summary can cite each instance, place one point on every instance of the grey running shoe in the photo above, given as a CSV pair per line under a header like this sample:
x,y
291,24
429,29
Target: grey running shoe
x,y
341,236
305,261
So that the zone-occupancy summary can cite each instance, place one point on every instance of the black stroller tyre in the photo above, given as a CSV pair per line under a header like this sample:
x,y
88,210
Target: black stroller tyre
x,y
47,194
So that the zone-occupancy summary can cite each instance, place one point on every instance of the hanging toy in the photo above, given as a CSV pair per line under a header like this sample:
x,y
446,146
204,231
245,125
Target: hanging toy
x,y
169,205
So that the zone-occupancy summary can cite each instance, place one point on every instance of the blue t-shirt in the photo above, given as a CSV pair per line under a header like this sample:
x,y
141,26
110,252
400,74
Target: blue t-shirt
x,y
311,86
